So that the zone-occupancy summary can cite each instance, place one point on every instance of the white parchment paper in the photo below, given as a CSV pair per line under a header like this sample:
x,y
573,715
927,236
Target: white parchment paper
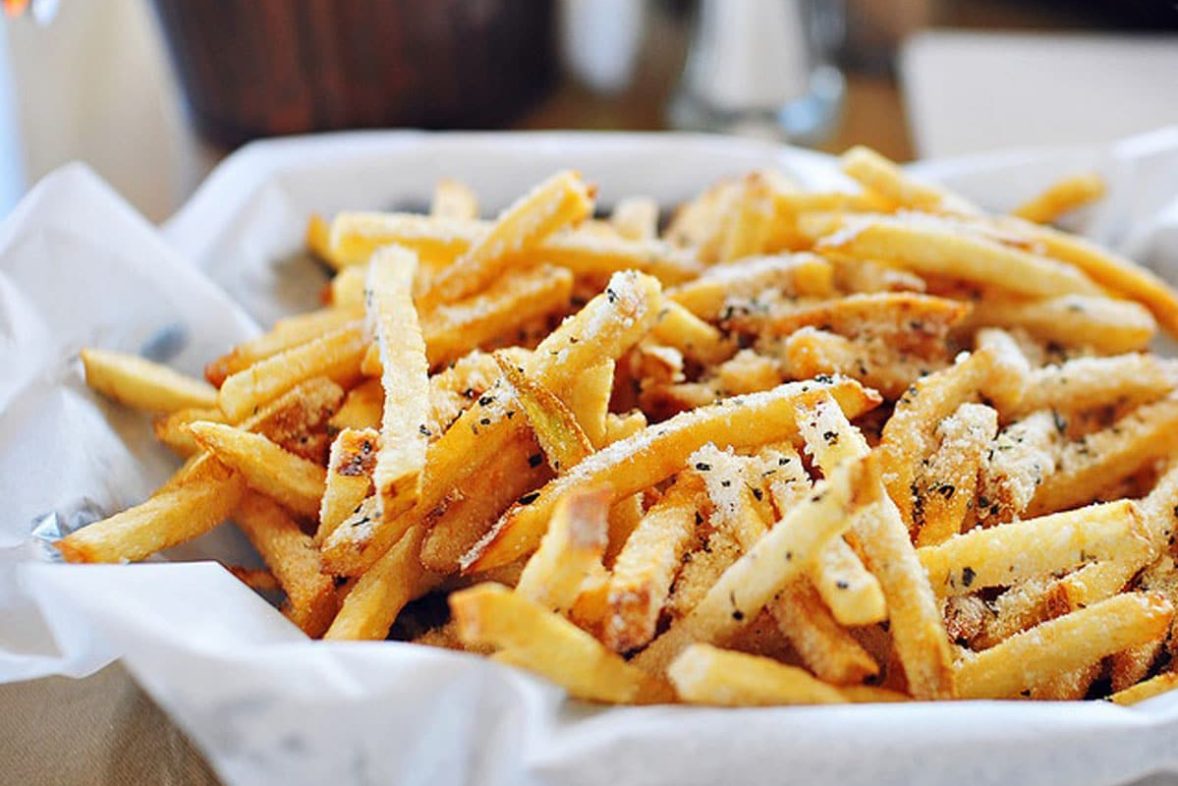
x,y
78,267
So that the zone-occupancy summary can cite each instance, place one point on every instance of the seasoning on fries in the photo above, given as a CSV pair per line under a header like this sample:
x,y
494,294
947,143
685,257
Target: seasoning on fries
x,y
922,449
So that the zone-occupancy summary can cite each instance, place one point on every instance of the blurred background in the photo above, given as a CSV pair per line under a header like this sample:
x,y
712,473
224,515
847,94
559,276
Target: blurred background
x,y
152,93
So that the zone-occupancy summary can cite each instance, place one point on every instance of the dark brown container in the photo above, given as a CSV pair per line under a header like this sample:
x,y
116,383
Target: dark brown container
x,y
252,68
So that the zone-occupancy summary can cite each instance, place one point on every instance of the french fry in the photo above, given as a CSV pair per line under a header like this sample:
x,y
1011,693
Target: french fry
x,y
166,519
647,564
469,511
1062,645
573,545
912,317
172,430
949,482
1118,274
930,246
908,435
1106,325
800,274
318,239
286,334
1012,371
679,328
545,643
883,177
556,428
822,643
703,674
636,218
1001,556
455,389
699,222
335,355
1155,686
139,383
774,560
880,536
874,362
749,224
454,329
742,421
349,478
1148,433
454,199
373,604
293,482
292,558
588,400
1088,383
606,327
557,202
361,409
747,372
404,433
347,289
862,275
257,579
1062,196
1023,455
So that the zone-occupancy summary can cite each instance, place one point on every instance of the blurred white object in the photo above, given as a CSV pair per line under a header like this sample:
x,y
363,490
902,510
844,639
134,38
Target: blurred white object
x,y
94,85
599,40
973,92
755,67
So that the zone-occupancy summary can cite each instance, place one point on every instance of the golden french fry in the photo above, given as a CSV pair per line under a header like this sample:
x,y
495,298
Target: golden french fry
x,y
933,246
1120,275
404,433
1155,686
257,579
1003,555
318,239
1023,455
908,435
286,334
167,519
883,177
513,300
800,274
1062,645
556,428
875,362
778,557
292,558
472,508
349,478
373,604
863,275
347,289
880,536
703,674
749,224
824,646
361,409
139,383
294,482
172,430
454,199
636,218
948,484
1106,325
545,643
1012,371
679,328
1062,196
561,200
605,328
589,401
913,317
1144,435
649,458
573,545
335,355
645,567
1088,383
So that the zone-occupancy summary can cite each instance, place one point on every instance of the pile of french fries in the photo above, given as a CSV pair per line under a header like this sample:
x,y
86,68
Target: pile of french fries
x,y
794,447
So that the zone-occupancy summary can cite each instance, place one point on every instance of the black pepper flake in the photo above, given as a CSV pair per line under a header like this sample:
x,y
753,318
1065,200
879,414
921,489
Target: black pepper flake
x,y
699,519
760,495
611,295
825,379
738,615
781,462
842,584
725,483
535,459
484,421
946,490
831,437
702,466
485,400
967,576
1061,423
529,498
510,414
424,430
1025,693
469,393
789,555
